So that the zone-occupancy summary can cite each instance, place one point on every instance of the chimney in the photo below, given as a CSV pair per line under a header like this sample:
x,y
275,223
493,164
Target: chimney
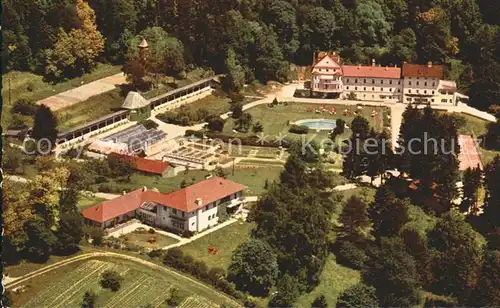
x,y
144,188
373,62
124,192
198,201
429,64
334,53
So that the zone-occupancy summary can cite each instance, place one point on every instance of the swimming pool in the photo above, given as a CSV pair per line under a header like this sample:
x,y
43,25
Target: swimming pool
x,y
318,124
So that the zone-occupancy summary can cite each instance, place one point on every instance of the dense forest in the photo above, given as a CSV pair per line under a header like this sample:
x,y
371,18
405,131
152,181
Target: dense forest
x,y
258,39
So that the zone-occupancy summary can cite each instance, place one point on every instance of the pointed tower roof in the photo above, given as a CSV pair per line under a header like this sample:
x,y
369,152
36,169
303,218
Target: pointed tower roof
x,y
143,44
134,101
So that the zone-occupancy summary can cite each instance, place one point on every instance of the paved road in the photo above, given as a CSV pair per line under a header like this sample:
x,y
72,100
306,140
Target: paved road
x,y
82,93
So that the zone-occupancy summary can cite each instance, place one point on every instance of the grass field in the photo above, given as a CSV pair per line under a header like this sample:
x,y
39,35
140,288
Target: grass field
x,y
275,119
226,240
218,103
254,179
141,239
104,104
86,201
91,109
335,279
64,287
25,85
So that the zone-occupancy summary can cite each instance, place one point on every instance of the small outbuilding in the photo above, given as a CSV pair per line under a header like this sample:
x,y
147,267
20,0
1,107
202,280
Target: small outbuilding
x,y
139,107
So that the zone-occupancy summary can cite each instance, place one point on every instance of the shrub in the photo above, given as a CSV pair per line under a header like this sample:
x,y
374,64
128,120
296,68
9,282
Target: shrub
x,y
215,124
299,129
108,188
350,255
190,132
96,234
174,257
18,123
24,107
175,298
216,273
149,124
89,299
151,231
155,253
236,97
111,280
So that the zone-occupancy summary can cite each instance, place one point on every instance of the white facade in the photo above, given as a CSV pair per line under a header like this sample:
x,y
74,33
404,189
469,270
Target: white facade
x,y
374,89
196,221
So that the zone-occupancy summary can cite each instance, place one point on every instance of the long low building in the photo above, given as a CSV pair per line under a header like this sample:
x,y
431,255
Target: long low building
x,y
194,208
413,83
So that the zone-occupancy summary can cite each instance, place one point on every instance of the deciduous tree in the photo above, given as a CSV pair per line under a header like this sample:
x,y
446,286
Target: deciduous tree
x,y
253,267
357,296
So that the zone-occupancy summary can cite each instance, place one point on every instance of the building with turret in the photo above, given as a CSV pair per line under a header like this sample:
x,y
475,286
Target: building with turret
x,y
412,83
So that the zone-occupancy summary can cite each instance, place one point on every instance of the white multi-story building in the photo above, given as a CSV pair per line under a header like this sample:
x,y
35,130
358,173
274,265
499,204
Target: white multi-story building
x,y
194,208
412,83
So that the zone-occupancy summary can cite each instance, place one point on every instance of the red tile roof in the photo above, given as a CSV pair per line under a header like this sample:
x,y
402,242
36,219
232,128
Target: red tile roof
x,y
322,54
143,164
208,191
371,71
418,70
113,208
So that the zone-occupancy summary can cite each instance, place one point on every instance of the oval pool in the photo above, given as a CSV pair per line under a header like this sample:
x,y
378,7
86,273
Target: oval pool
x,y
318,124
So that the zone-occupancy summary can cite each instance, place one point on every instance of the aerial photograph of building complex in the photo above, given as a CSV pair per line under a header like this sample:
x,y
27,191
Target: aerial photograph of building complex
x,y
250,153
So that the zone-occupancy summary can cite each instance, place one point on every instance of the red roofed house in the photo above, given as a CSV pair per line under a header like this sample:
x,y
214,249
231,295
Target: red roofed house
x,y
412,83
193,208
327,74
147,165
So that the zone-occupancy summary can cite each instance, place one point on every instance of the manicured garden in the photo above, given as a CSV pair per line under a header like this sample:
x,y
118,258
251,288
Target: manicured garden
x,y
277,120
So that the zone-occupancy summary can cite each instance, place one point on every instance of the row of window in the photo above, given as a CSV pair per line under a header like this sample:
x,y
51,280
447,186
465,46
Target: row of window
x,y
425,91
327,70
373,81
425,83
373,89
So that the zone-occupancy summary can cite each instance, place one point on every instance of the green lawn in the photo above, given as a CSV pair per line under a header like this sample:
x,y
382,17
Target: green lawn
x,y
226,240
218,103
335,279
64,287
91,109
142,239
471,125
26,85
254,179
86,201
276,119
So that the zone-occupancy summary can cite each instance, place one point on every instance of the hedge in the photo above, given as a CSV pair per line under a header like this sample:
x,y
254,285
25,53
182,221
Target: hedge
x,y
299,129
